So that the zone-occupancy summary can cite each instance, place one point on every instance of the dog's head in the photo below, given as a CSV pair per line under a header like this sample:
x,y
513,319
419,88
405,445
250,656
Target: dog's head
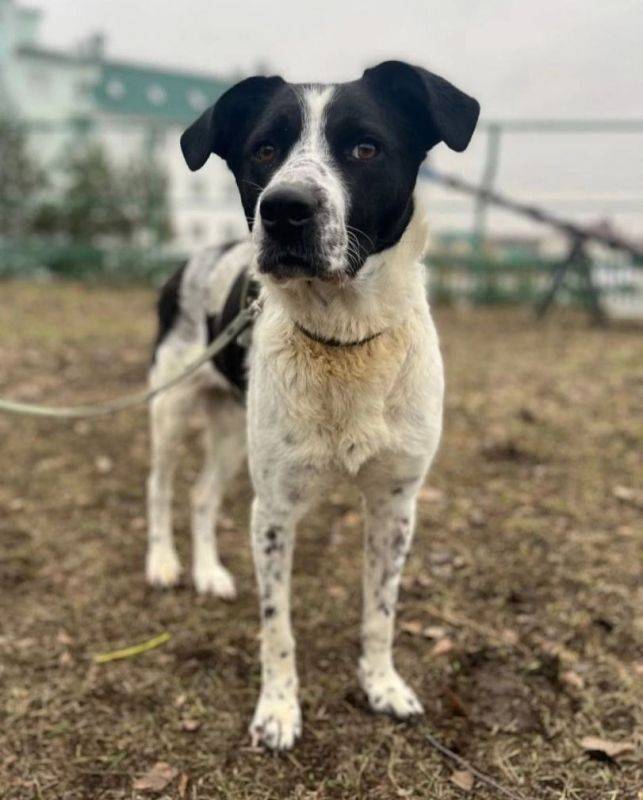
x,y
326,172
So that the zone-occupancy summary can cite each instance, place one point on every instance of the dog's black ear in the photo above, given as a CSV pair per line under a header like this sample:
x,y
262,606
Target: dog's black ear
x,y
222,125
436,109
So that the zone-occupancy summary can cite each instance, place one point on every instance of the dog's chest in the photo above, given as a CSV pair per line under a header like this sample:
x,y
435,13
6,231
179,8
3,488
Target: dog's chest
x,y
333,404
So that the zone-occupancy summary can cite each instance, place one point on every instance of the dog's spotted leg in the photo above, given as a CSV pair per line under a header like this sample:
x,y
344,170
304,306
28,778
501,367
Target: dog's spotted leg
x,y
277,719
389,523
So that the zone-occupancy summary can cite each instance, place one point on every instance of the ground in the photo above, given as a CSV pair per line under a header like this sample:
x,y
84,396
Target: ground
x,y
517,616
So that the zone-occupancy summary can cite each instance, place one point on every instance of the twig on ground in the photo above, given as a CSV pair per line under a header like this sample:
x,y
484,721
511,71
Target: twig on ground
x,y
134,650
461,762
460,621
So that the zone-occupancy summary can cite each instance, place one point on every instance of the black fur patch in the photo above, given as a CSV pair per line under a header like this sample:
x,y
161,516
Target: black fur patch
x,y
231,362
168,306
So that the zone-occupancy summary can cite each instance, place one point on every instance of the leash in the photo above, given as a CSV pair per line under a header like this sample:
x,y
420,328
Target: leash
x,y
235,328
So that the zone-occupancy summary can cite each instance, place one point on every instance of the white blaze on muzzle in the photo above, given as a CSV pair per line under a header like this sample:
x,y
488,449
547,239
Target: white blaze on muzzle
x,y
309,168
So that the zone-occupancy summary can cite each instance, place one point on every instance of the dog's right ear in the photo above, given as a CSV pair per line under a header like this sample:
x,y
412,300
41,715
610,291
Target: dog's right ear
x,y
222,125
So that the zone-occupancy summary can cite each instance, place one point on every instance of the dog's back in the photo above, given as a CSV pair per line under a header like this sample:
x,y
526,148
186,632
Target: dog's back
x,y
194,305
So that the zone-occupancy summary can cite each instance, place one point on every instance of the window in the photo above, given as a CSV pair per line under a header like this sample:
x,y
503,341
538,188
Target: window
x,y
115,89
156,95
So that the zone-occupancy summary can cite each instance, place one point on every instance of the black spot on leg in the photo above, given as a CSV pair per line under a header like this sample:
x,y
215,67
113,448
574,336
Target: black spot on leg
x,y
273,546
269,611
397,490
384,608
283,654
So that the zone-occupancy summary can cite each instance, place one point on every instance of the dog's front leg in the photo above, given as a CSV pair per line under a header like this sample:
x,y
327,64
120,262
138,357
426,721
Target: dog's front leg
x,y
389,524
277,720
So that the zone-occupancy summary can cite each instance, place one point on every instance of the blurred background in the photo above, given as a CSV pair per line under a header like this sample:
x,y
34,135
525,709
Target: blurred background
x,y
93,99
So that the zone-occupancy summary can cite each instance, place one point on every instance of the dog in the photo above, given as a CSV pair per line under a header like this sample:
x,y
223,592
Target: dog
x,y
343,380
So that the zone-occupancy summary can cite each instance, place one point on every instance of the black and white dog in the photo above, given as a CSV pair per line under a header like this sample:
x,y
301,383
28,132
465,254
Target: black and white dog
x,y
344,374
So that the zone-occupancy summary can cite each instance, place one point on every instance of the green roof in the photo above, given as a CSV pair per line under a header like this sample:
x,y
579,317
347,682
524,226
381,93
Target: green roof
x,y
166,95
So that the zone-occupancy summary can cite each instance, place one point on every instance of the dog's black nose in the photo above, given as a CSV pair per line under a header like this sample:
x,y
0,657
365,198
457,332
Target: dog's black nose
x,y
287,209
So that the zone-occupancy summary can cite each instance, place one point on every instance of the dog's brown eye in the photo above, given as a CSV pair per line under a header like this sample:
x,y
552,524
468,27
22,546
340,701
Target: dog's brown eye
x,y
265,153
364,151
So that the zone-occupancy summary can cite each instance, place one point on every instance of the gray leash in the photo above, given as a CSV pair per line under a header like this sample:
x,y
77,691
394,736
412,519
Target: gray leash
x,y
239,324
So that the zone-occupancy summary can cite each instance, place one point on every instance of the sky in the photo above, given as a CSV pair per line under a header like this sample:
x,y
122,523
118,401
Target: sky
x,y
519,58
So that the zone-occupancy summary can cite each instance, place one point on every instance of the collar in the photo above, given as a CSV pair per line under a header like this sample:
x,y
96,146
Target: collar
x,y
331,342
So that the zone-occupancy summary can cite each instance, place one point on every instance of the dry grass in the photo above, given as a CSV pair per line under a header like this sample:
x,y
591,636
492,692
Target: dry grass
x,y
528,554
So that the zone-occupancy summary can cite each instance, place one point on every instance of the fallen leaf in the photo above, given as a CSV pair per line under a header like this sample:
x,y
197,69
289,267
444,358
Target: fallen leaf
x,y
337,592
183,784
225,524
413,626
627,495
156,779
180,700
62,637
65,659
104,464
572,678
190,725
442,647
430,495
508,636
605,747
463,779
434,632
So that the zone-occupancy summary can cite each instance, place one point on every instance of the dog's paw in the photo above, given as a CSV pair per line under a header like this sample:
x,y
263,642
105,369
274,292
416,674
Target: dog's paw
x,y
387,693
162,567
277,722
214,579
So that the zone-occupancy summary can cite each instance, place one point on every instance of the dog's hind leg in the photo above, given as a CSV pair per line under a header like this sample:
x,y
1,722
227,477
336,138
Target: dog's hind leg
x,y
225,445
169,414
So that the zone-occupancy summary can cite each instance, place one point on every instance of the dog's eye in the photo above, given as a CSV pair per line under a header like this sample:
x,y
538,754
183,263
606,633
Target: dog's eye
x,y
365,151
265,153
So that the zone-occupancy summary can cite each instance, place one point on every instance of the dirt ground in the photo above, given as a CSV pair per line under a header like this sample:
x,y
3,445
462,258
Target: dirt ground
x,y
517,620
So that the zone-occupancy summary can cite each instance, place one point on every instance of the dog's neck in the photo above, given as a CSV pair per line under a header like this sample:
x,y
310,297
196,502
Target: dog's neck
x,y
388,287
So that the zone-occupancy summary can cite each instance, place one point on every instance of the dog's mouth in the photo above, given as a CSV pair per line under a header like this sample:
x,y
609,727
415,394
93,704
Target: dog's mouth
x,y
285,264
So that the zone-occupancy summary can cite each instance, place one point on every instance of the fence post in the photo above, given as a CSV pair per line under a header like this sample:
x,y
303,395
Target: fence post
x,y
486,185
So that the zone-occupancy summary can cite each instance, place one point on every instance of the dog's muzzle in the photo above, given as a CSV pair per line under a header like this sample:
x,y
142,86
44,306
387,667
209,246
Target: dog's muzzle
x,y
288,214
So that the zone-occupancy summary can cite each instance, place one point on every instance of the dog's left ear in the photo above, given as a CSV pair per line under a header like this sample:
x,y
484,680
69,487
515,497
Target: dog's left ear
x,y
437,110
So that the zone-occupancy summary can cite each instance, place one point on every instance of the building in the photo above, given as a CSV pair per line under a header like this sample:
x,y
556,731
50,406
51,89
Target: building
x,y
134,110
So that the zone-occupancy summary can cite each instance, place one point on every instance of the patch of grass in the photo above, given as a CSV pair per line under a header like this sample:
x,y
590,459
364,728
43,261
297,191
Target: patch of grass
x,y
527,555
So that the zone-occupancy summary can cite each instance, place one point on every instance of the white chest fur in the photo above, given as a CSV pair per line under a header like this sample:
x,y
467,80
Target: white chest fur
x,y
339,406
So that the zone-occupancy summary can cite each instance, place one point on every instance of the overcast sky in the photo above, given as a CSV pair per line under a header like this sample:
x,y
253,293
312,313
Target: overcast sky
x,y
550,58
